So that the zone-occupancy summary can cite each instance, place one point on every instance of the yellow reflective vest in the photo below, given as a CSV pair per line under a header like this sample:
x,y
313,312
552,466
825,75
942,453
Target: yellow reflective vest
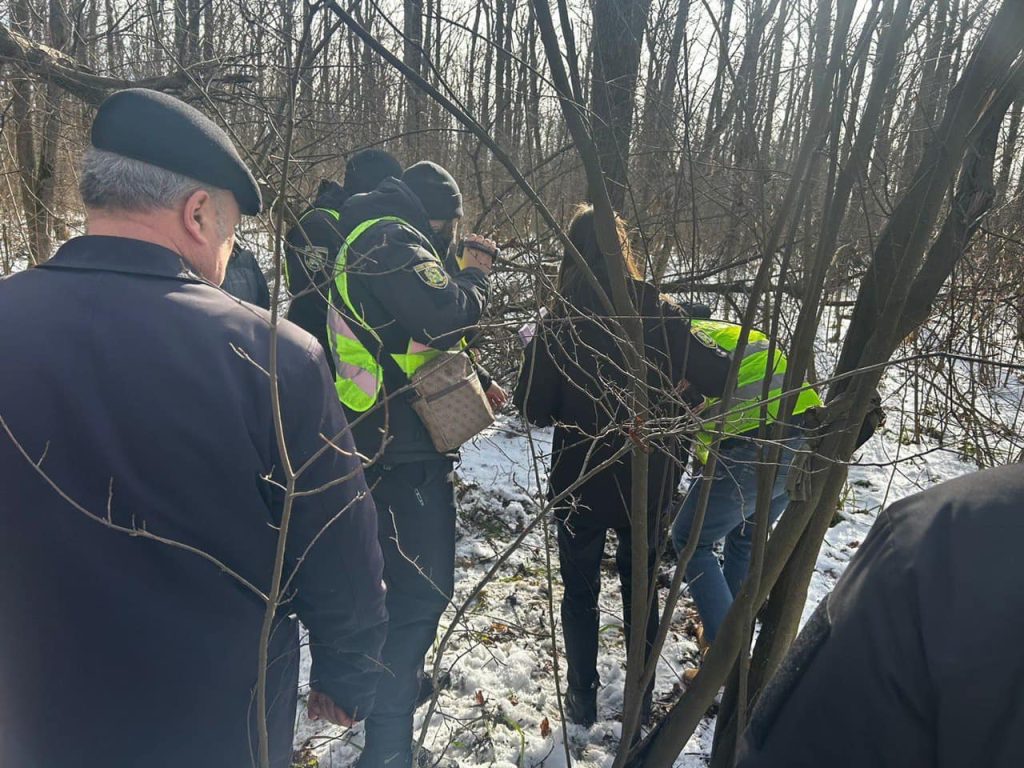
x,y
359,375
744,414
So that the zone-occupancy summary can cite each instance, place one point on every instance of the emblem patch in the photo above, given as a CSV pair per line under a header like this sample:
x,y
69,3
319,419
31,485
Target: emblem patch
x,y
314,257
432,274
706,340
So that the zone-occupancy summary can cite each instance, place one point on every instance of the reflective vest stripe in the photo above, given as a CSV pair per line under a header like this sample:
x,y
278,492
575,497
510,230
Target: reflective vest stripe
x,y
744,413
358,374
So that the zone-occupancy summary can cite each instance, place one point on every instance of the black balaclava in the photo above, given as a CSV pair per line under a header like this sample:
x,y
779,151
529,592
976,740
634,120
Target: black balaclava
x,y
442,239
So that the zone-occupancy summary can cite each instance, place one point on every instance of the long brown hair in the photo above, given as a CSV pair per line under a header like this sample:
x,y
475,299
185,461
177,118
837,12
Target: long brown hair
x,y
572,285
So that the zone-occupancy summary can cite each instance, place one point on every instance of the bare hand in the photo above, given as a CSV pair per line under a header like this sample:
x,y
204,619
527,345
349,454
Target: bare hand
x,y
320,706
496,396
478,258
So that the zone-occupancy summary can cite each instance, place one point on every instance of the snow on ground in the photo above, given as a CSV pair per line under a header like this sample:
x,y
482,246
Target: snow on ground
x,y
501,709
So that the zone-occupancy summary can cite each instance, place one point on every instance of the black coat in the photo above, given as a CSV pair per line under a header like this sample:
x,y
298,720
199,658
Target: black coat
x,y
390,270
125,380
244,279
310,249
916,660
573,377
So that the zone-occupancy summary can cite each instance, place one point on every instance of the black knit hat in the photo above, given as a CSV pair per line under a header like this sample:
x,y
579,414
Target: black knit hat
x,y
166,132
368,168
435,188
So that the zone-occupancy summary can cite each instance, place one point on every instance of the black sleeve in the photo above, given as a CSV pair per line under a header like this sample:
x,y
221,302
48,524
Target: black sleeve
x,y
538,390
433,307
332,549
705,365
481,373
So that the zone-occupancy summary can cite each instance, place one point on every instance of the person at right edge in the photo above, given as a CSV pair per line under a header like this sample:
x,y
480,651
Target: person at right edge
x,y
574,377
914,660
393,307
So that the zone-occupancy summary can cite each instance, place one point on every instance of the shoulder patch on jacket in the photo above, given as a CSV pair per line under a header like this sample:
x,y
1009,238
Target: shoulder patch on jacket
x,y
705,339
432,274
314,257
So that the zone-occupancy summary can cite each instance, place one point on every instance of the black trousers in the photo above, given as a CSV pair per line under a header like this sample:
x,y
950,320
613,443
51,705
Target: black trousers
x,y
416,525
580,549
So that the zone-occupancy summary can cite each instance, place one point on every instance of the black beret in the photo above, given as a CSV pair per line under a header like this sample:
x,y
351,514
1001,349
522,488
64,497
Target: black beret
x,y
368,168
435,188
166,132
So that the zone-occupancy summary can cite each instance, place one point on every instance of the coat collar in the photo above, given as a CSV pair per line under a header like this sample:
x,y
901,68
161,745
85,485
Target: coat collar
x,y
103,253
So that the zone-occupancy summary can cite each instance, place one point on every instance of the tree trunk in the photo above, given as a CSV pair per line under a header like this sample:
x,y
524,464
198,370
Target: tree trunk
x,y
412,30
618,34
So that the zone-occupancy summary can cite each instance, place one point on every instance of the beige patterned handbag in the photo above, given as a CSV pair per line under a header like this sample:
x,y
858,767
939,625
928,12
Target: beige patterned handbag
x,y
450,400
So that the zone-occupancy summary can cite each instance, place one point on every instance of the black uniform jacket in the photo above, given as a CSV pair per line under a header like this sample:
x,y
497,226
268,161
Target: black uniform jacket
x,y
134,395
405,294
916,660
573,376
309,250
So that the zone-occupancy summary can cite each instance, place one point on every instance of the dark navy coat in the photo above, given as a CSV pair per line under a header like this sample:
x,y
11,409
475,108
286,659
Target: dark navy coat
x,y
134,395
916,659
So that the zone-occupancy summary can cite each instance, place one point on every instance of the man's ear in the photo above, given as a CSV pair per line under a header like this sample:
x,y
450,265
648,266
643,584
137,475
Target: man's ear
x,y
198,216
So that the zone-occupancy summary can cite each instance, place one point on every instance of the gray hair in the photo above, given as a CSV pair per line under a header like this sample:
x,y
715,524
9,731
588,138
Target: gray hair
x,y
114,182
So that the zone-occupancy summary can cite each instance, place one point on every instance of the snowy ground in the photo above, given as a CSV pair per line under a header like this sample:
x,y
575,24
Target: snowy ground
x,y
501,709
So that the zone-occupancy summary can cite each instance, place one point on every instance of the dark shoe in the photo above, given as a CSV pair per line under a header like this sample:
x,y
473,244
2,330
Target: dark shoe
x,y
426,692
581,706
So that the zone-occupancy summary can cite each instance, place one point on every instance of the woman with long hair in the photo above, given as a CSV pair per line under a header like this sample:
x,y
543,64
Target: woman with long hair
x,y
575,377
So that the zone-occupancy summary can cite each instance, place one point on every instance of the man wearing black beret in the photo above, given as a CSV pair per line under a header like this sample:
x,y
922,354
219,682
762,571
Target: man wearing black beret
x,y
136,432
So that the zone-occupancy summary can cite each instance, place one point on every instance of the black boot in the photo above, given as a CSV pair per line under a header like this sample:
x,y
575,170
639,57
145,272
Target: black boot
x,y
426,692
581,705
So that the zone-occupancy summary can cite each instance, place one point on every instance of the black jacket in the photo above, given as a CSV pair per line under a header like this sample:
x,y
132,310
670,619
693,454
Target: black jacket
x,y
244,279
310,249
915,660
573,377
140,393
394,282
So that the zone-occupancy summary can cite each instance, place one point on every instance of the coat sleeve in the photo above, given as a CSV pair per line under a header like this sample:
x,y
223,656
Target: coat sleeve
x,y
332,550
481,372
538,390
432,306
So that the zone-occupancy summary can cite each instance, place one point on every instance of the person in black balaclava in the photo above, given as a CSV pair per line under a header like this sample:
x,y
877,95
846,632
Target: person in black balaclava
x,y
441,199
312,244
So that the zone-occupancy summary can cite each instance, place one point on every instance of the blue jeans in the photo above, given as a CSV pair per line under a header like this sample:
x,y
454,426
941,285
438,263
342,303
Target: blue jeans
x,y
729,516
